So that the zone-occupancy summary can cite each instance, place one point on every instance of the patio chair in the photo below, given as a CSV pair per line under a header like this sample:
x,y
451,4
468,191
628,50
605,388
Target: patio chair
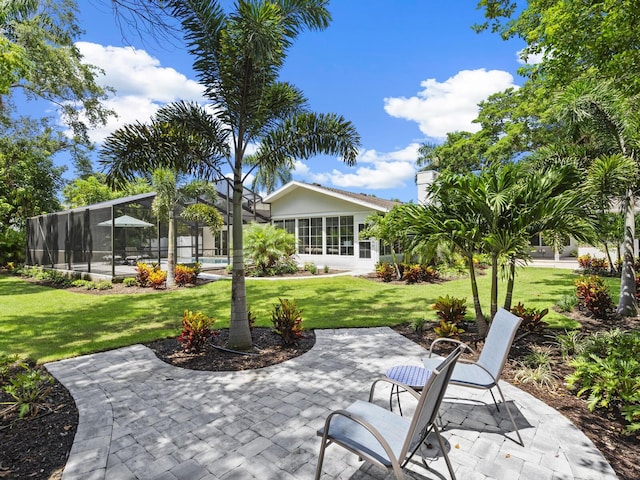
x,y
486,371
385,438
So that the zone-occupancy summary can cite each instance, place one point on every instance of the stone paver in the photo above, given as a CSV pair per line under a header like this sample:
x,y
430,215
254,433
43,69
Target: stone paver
x,y
141,418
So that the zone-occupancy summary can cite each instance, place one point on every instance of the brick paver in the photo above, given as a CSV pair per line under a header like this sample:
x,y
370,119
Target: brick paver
x,y
141,418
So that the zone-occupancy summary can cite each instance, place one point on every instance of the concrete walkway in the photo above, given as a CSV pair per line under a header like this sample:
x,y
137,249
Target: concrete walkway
x,y
141,418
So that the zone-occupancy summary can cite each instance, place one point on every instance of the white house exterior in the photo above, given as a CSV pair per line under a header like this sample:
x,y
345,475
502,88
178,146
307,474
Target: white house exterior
x,y
326,223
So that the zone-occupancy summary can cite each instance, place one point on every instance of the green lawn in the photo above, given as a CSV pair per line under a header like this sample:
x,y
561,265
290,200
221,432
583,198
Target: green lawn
x,y
48,324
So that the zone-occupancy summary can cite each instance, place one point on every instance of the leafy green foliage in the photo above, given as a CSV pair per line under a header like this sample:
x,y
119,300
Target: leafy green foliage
x,y
608,369
567,303
447,329
593,294
196,330
418,324
27,388
571,343
287,321
270,249
157,278
450,309
129,282
311,268
531,318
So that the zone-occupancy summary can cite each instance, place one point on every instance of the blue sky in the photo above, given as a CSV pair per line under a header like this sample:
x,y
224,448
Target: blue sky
x,y
403,72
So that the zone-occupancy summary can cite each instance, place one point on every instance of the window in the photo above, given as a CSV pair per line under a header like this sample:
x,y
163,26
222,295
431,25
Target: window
x,y
310,236
363,244
288,225
333,235
346,235
339,235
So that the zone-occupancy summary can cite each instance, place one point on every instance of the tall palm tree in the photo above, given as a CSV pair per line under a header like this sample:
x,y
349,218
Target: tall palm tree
x,y
597,108
238,59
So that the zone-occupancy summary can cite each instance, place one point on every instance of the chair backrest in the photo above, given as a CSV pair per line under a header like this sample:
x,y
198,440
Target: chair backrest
x,y
430,399
498,342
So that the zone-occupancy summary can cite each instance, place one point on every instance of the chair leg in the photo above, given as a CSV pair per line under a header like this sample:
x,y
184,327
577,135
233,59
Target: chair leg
x,y
444,452
321,458
494,398
509,413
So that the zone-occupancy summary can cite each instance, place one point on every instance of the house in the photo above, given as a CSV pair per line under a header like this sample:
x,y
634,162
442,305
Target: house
x,y
327,223
107,239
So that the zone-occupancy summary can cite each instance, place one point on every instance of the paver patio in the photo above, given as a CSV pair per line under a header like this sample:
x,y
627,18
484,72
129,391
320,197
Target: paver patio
x,y
141,418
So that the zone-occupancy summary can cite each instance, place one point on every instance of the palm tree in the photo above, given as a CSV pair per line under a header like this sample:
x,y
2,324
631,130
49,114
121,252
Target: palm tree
x,y
238,59
169,195
597,108
390,229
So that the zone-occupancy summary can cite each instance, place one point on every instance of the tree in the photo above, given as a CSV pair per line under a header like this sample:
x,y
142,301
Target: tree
x,y
238,58
597,108
496,212
38,58
94,189
267,245
169,196
390,229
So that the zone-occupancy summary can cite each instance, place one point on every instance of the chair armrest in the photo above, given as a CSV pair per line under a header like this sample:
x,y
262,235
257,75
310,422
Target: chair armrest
x,y
415,394
360,421
450,340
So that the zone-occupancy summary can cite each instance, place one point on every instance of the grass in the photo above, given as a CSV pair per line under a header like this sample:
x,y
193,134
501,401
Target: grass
x,y
47,324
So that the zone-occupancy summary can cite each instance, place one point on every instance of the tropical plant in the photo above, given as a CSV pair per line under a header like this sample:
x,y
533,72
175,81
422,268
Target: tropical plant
x,y
389,228
593,294
287,321
267,246
608,369
27,390
596,108
531,318
196,330
418,324
447,329
451,309
238,59
385,271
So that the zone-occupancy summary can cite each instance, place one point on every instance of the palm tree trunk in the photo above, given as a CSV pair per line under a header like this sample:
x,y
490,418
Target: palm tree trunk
x,y
627,305
494,285
395,264
508,298
483,328
171,249
239,332
612,266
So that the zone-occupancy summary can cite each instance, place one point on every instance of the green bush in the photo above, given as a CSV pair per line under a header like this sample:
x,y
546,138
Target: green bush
x,y
129,282
447,329
311,268
418,325
593,265
27,390
104,285
270,249
608,370
196,330
287,321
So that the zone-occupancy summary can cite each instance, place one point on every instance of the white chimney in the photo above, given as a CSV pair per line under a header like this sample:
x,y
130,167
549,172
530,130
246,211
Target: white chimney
x,y
423,180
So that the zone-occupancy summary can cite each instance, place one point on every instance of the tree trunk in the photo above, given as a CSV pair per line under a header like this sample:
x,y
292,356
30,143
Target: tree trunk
x,y
239,332
612,266
627,305
171,249
483,328
494,285
508,298
395,264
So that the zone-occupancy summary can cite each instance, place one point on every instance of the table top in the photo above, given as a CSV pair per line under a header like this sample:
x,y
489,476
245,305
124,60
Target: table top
x,y
411,375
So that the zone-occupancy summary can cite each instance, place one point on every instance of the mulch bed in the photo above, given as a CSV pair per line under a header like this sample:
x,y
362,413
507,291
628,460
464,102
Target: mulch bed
x,y
37,448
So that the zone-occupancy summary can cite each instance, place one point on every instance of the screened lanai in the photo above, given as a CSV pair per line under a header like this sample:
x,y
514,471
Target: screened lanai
x,y
110,238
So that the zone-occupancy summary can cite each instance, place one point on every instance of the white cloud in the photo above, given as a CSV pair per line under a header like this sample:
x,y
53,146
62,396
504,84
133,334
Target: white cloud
x,y
382,171
142,85
452,105
531,59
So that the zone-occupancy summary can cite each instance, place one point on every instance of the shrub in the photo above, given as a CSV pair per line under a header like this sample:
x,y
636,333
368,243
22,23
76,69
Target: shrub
x,y
567,303
267,246
287,321
541,376
142,273
593,295
311,268
418,325
196,330
412,273
129,282
571,343
447,329
593,265
531,318
450,309
7,362
429,274
608,369
27,389
185,274
385,271
251,317
81,283
326,269
157,278
104,285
